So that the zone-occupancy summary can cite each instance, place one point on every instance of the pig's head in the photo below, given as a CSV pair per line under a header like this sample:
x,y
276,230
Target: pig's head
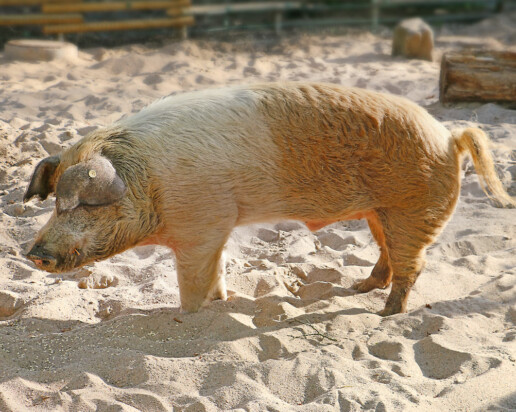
x,y
90,220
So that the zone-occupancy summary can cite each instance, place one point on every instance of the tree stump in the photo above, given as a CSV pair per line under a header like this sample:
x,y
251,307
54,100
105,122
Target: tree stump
x,y
478,76
36,50
413,38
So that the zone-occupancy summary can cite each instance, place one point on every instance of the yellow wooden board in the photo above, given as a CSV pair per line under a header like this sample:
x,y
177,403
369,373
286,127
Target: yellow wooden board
x,y
118,25
38,19
113,6
33,2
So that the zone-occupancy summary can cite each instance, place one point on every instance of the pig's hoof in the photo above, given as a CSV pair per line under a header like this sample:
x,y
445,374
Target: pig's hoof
x,y
218,291
369,284
217,294
390,310
191,305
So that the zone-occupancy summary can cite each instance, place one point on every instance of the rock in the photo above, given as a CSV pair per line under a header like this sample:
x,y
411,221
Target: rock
x,y
10,302
413,38
97,282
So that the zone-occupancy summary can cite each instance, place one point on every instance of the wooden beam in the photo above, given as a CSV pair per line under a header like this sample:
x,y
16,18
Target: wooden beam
x,y
38,19
177,11
113,6
221,9
32,2
478,76
118,25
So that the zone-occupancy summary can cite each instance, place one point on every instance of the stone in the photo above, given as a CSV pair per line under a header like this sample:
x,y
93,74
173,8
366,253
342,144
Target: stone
x,y
10,302
413,38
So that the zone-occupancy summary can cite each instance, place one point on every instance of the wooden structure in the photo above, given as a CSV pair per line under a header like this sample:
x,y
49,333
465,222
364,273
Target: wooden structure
x,y
229,10
480,76
241,14
68,16
72,16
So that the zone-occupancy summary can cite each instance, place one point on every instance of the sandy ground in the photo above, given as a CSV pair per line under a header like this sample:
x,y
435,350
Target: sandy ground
x,y
293,336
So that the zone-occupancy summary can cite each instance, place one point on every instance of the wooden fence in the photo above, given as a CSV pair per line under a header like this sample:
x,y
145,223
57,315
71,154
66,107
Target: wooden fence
x,y
311,13
74,16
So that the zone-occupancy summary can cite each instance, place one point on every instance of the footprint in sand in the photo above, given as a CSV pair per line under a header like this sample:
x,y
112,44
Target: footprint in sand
x,y
353,259
66,135
472,189
153,79
387,350
437,361
289,226
271,348
336,241
250,71
321,274
144,252
52,148
173,66
475,245
268,235
83,131
428,326
231,66
200,79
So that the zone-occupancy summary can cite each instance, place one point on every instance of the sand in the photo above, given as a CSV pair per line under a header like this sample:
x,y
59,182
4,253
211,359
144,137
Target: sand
x,y
293,336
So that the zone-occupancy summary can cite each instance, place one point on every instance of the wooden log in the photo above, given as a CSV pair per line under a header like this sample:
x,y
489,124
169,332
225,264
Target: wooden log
x,y
478,76
113,6
37,19
118,25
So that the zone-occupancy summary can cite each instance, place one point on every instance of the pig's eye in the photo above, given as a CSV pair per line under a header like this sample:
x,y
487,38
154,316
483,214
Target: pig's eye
x,y
88,208
80,207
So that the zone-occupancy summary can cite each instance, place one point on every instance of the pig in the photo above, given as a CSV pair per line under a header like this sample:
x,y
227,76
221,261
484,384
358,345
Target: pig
x,y
187,169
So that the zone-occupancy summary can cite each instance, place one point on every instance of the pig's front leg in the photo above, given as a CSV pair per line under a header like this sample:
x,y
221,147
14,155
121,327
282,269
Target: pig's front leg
x,y
201,274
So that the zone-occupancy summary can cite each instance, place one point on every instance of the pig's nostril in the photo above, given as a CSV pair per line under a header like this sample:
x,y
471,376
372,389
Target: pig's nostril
x,y
41,257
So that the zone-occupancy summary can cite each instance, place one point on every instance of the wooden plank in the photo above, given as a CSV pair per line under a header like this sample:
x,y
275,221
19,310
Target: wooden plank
x,y
219,9
113,6
37,19
118,25
177,11
479,76
437,3
33,2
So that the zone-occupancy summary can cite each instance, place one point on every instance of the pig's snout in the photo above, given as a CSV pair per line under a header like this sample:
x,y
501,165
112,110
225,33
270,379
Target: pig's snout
x,y
42,258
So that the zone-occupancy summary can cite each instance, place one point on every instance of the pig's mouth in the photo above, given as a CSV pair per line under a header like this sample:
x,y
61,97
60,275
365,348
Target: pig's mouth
x,y
56,264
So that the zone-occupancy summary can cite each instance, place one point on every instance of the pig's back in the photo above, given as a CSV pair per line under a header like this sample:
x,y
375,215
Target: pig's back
x,y
293,141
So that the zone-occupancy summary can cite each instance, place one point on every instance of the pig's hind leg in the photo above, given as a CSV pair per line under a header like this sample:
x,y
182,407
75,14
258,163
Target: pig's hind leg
x,y
403,236
201,274
407,235
381,275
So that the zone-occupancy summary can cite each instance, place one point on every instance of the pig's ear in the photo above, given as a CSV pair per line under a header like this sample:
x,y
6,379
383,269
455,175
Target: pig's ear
x,y
94,183
41,184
